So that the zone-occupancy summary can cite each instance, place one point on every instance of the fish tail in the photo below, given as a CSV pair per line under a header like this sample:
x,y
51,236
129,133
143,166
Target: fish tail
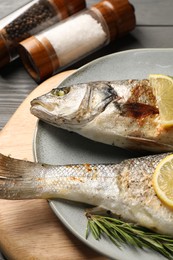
x,y
19,179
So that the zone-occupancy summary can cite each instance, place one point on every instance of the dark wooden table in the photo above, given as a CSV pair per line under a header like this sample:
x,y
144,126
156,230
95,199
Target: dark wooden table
x,y
154,30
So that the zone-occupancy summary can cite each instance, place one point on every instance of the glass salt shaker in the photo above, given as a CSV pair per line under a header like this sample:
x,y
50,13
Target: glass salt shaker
x,y
31,19
52,50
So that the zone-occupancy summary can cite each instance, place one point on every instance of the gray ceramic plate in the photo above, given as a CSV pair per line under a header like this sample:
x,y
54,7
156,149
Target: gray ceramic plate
x,y
56,146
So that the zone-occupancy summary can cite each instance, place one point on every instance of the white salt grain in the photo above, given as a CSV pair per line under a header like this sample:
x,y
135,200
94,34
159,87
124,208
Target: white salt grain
x,y
76,37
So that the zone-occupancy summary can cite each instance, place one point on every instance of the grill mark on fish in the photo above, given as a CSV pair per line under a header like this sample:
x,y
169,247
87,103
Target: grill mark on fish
x,y
137,110
141,103
142,92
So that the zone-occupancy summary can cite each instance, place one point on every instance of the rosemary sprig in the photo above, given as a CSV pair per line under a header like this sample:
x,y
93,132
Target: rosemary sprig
x,y
120,232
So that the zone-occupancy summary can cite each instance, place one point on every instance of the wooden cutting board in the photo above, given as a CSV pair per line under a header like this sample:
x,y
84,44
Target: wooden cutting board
x,y
29,230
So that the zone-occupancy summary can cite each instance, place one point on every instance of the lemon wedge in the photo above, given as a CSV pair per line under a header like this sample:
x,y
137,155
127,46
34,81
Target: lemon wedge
x,y
163,90
163,180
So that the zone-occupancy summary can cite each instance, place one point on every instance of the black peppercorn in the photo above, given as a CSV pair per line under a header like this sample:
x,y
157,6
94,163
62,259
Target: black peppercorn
x,y
35,15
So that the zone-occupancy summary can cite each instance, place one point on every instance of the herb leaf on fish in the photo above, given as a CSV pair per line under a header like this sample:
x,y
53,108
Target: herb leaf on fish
x,y
120,232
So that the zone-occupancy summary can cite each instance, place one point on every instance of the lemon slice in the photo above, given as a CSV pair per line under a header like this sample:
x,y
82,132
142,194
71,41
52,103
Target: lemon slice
x,y
163,90
163,180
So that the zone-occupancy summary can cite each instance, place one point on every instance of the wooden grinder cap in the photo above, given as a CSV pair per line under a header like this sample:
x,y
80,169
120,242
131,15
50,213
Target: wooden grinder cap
x,y
68,7
36,58
4,53
119,16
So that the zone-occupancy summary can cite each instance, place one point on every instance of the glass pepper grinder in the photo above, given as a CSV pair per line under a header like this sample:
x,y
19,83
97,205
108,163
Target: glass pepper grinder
x,y
31,19
50,51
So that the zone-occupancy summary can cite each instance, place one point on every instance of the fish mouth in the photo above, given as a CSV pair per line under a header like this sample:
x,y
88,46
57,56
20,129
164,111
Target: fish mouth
x,y
38,103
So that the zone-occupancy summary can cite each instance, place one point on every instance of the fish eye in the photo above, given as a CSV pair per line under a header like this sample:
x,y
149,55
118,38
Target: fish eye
x,y
60,92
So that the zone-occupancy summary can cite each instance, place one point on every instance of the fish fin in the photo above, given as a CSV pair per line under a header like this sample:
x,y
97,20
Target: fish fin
x,y
17,179
97,210
143,144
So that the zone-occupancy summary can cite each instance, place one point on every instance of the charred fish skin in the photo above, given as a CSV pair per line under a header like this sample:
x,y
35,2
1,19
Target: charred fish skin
x,y
124,189
123,113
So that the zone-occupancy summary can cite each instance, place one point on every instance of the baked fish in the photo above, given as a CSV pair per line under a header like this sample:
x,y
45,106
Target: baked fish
x,y
125,188
121,113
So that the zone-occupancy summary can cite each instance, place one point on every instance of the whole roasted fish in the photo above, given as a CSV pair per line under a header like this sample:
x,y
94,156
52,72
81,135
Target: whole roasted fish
x,y
124,188
121,113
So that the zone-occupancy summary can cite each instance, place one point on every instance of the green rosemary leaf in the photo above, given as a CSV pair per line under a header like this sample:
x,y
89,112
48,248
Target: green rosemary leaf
x,y
120,232
87,230
94,230
106,231
169,246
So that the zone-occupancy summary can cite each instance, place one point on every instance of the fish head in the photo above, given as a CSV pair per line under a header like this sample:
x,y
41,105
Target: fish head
x,y
59,104
72,106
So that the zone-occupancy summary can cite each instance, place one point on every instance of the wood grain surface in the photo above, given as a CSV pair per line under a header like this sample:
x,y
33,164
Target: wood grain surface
x,y
29,229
